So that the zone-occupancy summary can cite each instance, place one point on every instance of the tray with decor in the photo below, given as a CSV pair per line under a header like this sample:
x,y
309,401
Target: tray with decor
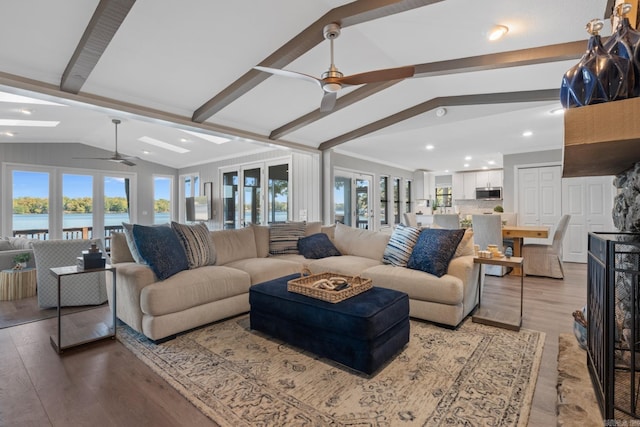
x,y
330,287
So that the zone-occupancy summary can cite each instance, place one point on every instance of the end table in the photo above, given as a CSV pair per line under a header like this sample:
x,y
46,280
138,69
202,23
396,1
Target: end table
x,y
501,319
17,284
101,331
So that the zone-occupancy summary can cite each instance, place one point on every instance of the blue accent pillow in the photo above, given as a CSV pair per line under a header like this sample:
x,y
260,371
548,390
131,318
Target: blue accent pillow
x,y
161,249
317,246
434,250
400,245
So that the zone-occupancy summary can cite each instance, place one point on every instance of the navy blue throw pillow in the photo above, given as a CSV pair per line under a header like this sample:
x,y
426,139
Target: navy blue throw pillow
x,y
161,249
317,246
434,250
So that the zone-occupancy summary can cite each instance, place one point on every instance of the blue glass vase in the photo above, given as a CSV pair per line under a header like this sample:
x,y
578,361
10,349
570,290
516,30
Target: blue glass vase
x,y
625,42
598,76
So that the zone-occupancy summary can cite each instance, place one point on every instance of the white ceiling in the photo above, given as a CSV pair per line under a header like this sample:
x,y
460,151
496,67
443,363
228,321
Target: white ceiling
x,y
170,57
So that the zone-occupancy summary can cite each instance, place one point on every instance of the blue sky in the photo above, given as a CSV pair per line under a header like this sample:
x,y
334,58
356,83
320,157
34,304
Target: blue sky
x,y
36,184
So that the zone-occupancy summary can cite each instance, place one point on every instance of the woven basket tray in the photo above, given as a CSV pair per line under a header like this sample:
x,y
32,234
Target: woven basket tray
x,y
304,286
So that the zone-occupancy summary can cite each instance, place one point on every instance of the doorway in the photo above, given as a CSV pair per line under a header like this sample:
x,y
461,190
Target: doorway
x,y
351,199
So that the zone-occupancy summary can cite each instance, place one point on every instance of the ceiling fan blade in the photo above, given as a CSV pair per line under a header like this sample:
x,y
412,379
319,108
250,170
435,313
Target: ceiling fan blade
x,y
127,162
378,75
328,101
287,73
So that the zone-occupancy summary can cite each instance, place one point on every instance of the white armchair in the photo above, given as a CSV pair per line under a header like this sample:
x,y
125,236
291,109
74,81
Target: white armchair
x,y
546,260
83,289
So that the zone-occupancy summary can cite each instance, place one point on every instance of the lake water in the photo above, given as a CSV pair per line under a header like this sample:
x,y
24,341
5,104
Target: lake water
x,y
41,221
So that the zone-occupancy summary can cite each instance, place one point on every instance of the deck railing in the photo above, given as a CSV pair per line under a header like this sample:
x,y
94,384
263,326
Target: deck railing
x,y
71,233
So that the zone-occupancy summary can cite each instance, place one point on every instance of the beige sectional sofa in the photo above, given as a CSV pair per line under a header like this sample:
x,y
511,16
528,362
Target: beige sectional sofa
x,y
162,308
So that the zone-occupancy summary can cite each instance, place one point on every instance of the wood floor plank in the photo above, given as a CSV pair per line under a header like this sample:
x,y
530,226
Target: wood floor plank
x,y
103,384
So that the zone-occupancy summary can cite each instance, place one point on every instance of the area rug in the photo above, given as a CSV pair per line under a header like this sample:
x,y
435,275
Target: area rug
x,y
577,404
476,375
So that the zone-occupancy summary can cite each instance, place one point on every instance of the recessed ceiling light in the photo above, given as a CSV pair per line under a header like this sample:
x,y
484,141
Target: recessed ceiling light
x,y
9,133
485,167
211,138
466,165
441,112
446,170
467,158
29,123
430,147
497,32
146,152
491,162
527,133
558,111
163,144
184,140
26,111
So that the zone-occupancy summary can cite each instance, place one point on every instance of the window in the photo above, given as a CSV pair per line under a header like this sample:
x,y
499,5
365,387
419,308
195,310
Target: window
x,y
252,196
77,206
117,199
443,196
278,193
229,199
407,196
384,200
189,188
30,204
161,199
396,200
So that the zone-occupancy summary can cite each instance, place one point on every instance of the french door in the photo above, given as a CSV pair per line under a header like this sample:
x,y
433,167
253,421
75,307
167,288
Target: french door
x,y
352,198
255,194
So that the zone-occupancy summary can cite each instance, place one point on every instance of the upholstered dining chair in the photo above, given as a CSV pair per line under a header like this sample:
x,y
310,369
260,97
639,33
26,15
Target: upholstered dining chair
x,y
450,221
546,260
410,219
82,289
487,230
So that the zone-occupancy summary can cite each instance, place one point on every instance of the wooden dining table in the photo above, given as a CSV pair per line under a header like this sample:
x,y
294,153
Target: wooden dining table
x,y
518,233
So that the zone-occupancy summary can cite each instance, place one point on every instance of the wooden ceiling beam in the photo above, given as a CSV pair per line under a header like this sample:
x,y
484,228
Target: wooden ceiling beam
x,y
104,23
353,13
477,99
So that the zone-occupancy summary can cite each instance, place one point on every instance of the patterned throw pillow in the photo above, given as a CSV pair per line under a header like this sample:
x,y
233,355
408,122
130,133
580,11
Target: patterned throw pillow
x,y
434,250
317,246
197,243
131,242
283,238
161,249
400,245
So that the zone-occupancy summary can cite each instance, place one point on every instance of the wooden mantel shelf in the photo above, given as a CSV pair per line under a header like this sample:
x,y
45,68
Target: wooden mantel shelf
x,y
601,139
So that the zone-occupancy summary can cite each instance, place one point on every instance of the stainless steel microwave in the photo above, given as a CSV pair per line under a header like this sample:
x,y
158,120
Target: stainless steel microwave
x,y
489,193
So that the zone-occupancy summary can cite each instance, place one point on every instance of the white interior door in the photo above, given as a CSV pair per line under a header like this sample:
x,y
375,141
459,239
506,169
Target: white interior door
x,y
540,198
589,201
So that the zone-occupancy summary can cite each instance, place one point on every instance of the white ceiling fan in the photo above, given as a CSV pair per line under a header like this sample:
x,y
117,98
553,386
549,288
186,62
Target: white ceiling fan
x,y
333,80
116,157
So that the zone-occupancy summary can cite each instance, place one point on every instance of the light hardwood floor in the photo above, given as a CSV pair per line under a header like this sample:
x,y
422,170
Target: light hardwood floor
x,y
103,384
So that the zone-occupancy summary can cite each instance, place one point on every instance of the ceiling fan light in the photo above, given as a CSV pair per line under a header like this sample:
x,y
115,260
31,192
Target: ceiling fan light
x,y
331,87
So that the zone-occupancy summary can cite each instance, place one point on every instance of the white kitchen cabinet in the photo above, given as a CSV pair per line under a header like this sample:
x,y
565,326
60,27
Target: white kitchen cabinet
x,y
490,178
457,186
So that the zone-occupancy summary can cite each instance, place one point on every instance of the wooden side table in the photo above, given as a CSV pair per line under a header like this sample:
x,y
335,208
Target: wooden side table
x,y
493,317
17,284
91,332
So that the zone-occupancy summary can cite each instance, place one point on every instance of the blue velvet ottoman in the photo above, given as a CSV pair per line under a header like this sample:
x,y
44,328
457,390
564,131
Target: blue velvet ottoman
x,y
362,332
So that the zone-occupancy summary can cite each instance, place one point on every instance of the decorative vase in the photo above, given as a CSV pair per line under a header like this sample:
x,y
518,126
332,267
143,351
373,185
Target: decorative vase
x,y
625,42
598,76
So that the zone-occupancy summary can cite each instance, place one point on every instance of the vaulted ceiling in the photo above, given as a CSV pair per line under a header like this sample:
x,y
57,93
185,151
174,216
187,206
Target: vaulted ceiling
x,y
166,66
